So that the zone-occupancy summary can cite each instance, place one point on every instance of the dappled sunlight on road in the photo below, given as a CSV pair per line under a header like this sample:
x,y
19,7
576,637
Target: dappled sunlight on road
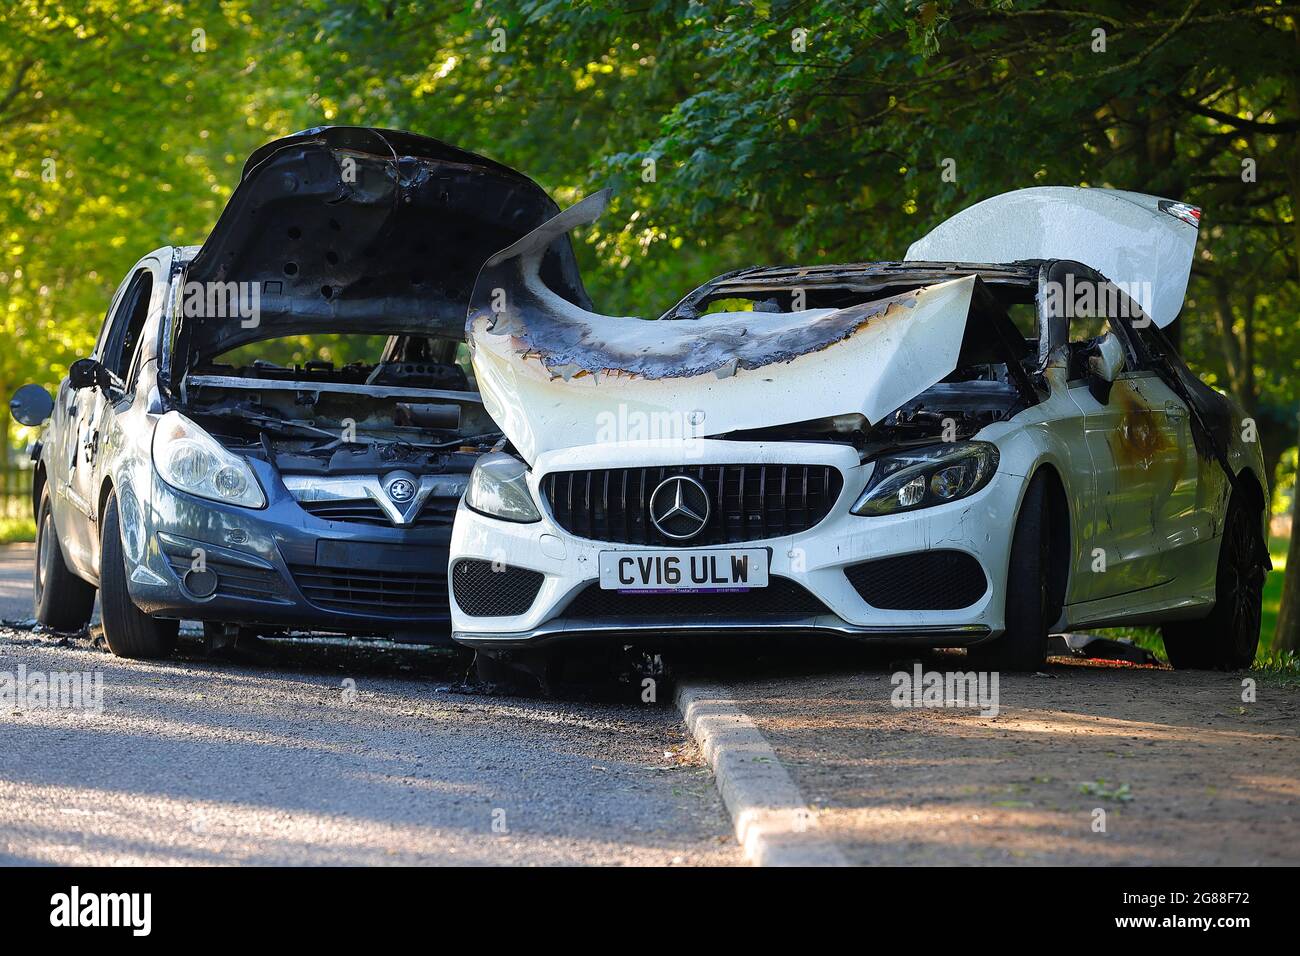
x,y
102,827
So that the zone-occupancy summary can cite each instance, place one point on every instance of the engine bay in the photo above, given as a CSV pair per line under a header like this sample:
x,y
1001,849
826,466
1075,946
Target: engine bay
x,y
414,408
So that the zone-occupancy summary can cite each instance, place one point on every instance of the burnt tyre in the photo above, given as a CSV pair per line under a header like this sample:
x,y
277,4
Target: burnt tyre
x,y
62,600
1228,637
1031,606
128,630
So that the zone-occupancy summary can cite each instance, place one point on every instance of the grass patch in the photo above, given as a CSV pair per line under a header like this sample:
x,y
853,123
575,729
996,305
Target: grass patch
x,y
1107,791
17,529
1284,665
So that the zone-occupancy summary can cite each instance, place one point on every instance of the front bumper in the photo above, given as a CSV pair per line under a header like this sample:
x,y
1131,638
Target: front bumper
x,y
283,568
642,629
815,560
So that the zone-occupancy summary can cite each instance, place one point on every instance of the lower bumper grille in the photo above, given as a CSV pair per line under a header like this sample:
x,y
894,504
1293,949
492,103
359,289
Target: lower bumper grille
x,y
781,596
483,590
924,581
399,594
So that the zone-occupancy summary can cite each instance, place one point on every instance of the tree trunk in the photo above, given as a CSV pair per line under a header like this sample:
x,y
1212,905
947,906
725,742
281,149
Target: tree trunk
x,y
1287,635
1232,351
1249,397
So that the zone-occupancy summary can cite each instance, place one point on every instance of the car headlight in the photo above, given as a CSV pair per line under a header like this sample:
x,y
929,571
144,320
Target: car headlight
x,y
927,476
498,487
191,460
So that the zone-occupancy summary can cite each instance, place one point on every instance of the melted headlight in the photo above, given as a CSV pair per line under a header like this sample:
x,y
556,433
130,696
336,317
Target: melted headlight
x,y
927,476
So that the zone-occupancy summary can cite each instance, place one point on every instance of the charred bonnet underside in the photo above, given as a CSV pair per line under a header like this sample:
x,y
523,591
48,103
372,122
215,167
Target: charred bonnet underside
x,y
348,230
352,231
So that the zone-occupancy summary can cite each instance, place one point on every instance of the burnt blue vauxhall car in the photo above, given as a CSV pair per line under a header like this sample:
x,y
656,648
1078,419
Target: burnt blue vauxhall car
x,y
189,470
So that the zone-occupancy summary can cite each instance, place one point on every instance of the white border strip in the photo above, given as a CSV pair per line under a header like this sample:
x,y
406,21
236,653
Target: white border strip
x,y
773,824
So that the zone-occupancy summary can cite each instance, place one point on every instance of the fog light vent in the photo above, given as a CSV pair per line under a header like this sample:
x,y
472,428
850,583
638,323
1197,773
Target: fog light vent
x,y
485,590
201,583
925,581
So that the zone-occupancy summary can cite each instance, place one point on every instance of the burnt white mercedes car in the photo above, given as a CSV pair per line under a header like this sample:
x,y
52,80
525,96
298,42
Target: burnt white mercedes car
x,y
988,441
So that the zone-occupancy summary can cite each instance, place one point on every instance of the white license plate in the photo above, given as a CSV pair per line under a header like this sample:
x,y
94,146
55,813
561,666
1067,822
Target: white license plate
x,y
684,572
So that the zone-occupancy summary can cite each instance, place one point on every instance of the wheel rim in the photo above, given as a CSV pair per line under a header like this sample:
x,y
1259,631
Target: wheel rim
x,y
43,551
1245,579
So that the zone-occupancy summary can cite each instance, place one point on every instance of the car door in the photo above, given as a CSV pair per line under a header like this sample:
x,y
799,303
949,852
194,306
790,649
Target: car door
x,y
1195,512
90,410
69,479
1145,468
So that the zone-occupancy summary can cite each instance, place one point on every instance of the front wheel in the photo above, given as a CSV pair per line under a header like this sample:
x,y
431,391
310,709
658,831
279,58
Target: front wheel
x,y
128,630
1228,638
1029,610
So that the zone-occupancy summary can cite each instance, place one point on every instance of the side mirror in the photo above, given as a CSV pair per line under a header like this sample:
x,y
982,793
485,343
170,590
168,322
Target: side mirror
x,y
31,405
88,372
1107,359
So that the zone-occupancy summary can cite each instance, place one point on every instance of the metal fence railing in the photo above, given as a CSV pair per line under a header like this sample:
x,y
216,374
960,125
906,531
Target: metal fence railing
x,y
16,493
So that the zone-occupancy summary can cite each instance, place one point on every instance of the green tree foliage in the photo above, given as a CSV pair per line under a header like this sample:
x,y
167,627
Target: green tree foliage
x,y
734,133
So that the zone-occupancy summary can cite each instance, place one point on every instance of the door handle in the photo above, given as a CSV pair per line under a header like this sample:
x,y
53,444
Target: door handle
x,y
1175,412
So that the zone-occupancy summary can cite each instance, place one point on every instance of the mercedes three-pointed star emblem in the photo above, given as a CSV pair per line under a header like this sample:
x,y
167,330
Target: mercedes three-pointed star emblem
x,y
679,507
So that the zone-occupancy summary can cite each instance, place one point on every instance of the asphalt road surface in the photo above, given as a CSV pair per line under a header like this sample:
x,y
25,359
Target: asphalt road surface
x,y
327,755
16,581
347,754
